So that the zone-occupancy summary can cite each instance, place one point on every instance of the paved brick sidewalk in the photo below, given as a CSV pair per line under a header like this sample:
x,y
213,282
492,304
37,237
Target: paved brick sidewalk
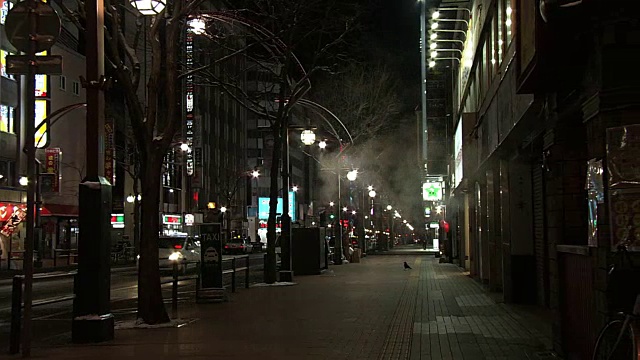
x,y
370,310
456,319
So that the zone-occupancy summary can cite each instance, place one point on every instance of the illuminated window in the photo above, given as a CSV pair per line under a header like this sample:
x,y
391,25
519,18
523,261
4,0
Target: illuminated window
x,y
3,65
7,115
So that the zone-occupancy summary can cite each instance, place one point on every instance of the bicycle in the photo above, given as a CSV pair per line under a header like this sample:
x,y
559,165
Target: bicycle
x,y
620,337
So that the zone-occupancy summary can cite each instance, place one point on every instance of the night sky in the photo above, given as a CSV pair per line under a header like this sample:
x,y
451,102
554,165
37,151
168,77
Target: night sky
x,y
393,30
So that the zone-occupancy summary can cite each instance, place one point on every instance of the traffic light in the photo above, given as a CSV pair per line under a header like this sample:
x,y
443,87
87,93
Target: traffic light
x,y
332,216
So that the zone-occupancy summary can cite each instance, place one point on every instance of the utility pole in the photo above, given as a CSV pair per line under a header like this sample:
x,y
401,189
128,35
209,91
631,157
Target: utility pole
x,y
92,318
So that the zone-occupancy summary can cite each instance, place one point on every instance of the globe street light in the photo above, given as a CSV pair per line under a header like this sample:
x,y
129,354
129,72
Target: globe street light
x,y
223,209
389,207
370,187
131,198
148,7
372,193
184,147
198,26
322,144
255,174
308,137
352,175
23,180
294,188
331,203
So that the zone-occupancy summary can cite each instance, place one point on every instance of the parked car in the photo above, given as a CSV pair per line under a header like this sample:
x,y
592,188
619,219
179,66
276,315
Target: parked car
x,y
184,250
237,247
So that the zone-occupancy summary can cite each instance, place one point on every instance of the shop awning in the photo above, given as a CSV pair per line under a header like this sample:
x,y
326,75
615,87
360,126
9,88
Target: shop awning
x,y
59,210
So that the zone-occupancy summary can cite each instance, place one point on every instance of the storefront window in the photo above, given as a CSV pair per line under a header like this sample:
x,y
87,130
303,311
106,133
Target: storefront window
x,y
7,119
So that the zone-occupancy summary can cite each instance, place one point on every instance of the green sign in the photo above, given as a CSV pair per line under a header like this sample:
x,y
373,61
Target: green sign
x,y
432,191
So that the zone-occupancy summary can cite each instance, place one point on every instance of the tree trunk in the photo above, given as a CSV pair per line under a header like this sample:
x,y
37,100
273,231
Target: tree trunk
x,y
150,304
270,266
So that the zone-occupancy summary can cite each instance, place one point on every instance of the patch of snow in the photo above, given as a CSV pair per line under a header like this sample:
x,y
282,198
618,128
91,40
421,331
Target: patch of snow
x,y
283,283
158,138
140,324
92,185
88,317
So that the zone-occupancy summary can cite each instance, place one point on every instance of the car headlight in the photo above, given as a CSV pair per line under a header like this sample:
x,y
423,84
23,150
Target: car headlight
x,y
175,256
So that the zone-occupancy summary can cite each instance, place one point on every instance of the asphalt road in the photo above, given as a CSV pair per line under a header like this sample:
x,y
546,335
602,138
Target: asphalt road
x,y
52,322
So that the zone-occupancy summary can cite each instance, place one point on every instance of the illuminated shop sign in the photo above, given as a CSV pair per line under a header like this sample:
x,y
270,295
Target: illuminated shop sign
x,y
42,111
117,221
4,10
171,219
457,151
263,207
432,191
189,219
189,100
52,166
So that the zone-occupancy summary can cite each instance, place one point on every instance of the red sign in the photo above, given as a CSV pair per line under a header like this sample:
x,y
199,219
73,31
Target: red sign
x,y
171,219
11,215
52,166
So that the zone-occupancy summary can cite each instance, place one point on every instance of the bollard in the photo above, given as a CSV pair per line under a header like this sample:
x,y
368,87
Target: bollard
x,y
197,280
246,275
264,267
174,292
16,315
233,275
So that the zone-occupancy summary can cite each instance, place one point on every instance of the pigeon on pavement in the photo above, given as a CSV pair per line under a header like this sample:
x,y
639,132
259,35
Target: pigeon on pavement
x,y
406,266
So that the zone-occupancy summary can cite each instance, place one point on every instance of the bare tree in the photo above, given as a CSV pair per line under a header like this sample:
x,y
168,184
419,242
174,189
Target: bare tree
x,y
154,119
277,30
227,186
364,96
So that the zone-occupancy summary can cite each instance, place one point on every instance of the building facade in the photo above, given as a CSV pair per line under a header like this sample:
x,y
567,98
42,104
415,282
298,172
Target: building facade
x,y
60,150
541,100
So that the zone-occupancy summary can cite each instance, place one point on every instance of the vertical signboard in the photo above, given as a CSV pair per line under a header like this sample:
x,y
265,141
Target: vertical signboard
x,y
196,180
108,150
211,255
189,103
53,167
42,111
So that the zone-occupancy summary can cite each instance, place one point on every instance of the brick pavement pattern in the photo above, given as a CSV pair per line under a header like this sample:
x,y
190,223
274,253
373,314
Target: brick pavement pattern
x,y
370,310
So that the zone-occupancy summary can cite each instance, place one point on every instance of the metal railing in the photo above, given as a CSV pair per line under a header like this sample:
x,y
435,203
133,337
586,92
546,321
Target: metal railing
x,y
64,253
17,304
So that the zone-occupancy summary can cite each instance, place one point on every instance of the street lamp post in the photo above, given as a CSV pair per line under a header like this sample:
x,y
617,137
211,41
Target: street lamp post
x,y
92,318
286,273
